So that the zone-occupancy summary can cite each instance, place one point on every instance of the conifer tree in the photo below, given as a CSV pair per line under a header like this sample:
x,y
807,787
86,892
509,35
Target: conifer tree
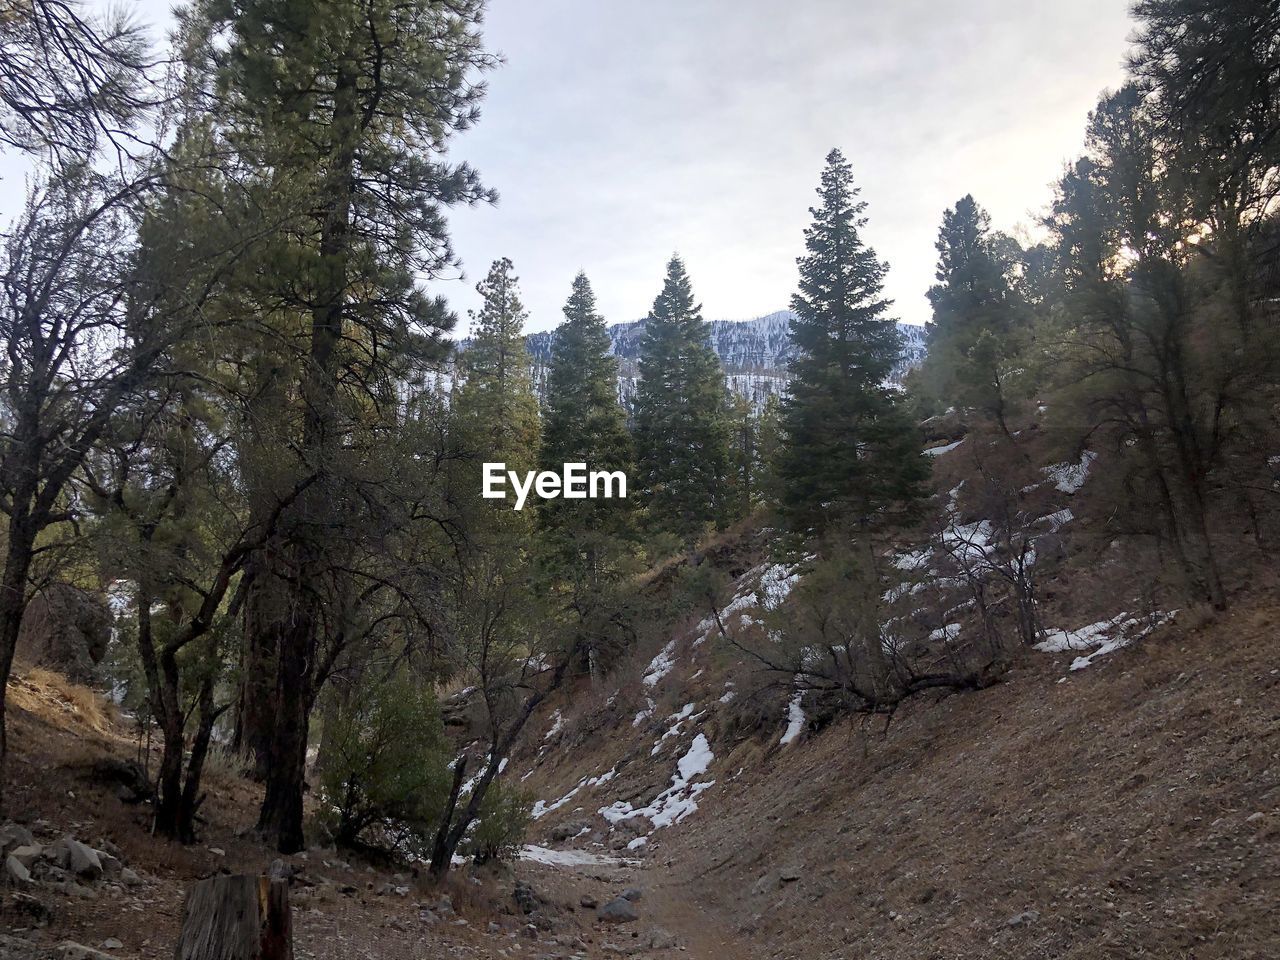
x,y
589,543
681,428
977,315
849,450
584,421
496,405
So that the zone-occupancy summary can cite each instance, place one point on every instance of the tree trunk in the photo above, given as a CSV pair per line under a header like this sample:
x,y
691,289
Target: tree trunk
x,y
13,603
263,626
236,918
280,821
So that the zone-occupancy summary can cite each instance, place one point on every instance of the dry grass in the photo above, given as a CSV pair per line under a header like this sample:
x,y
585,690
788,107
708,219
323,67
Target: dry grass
x,y
51,697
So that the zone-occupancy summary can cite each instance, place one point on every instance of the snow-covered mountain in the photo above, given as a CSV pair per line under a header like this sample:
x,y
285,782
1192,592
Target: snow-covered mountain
x,y
754,353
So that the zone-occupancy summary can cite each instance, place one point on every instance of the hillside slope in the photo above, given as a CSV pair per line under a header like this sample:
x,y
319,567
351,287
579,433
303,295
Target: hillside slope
x,y
1131,809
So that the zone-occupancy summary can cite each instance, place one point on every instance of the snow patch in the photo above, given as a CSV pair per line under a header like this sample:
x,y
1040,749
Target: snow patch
x,y
1102,637
1070,477
795,719
572,858
946,448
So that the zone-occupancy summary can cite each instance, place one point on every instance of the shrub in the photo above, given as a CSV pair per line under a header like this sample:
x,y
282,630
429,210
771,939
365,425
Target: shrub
x,y
384,776
500,827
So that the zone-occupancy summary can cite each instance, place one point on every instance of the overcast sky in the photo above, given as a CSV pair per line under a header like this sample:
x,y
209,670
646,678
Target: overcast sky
x,y
618,132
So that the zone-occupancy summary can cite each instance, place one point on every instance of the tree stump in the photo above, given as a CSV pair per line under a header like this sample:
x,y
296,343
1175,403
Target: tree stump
x,y
236,918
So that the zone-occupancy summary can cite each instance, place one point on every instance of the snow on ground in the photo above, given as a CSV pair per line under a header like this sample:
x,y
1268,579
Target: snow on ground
x,y
1058,519
541,808
776,584
678,800
557,724
661,665
795,719
572,858
939,451
645,714
677,720
1103,637
1070,477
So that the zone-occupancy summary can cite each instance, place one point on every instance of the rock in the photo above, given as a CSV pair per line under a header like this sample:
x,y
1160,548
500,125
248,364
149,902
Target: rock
x,y
766,884
1254,817
789,875
67,950
634,894
129,877
65,628
11,948
1023,919
111,943
15,872
526,897
618,910
82,860
14,835
588,903
567,831
495,927
27,854
660,939
129,780
36,910
111,866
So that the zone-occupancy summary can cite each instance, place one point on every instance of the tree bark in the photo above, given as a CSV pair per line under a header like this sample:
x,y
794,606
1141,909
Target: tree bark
x,y
236,918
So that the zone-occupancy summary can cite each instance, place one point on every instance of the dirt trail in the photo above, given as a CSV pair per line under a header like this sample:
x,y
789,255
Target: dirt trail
x,y
666,905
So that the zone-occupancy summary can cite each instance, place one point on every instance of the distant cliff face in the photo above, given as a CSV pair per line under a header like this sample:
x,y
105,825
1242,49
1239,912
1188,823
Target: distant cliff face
x,y
754,353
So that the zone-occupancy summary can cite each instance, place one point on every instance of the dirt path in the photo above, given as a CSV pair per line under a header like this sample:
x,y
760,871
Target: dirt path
x,y
670,924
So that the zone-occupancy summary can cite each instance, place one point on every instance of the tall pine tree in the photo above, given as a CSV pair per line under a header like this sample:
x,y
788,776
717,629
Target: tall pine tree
x,y
590,543
978,318
495,405
584,421
681,424
849,453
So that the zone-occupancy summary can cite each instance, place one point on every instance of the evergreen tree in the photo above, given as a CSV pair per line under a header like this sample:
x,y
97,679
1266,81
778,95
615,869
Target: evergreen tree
x,y
496,405
681,428
585,422
977,316
589,543
849,449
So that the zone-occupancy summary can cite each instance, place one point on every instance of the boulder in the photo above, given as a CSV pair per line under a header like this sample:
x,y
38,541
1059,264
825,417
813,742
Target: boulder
x,y
14,835
15,872
65,628
618,910
27,854
634,894
82,860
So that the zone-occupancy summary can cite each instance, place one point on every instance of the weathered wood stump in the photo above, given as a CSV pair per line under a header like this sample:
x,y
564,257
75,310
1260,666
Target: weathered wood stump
x,y
236,918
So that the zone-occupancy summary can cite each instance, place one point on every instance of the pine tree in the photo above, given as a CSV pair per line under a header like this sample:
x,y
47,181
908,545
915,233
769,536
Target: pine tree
x,y
584,421
681,429
589,544
978,318
496,405
849,450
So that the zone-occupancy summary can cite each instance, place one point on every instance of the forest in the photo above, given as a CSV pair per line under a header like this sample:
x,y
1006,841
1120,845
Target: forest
x,y
236,416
